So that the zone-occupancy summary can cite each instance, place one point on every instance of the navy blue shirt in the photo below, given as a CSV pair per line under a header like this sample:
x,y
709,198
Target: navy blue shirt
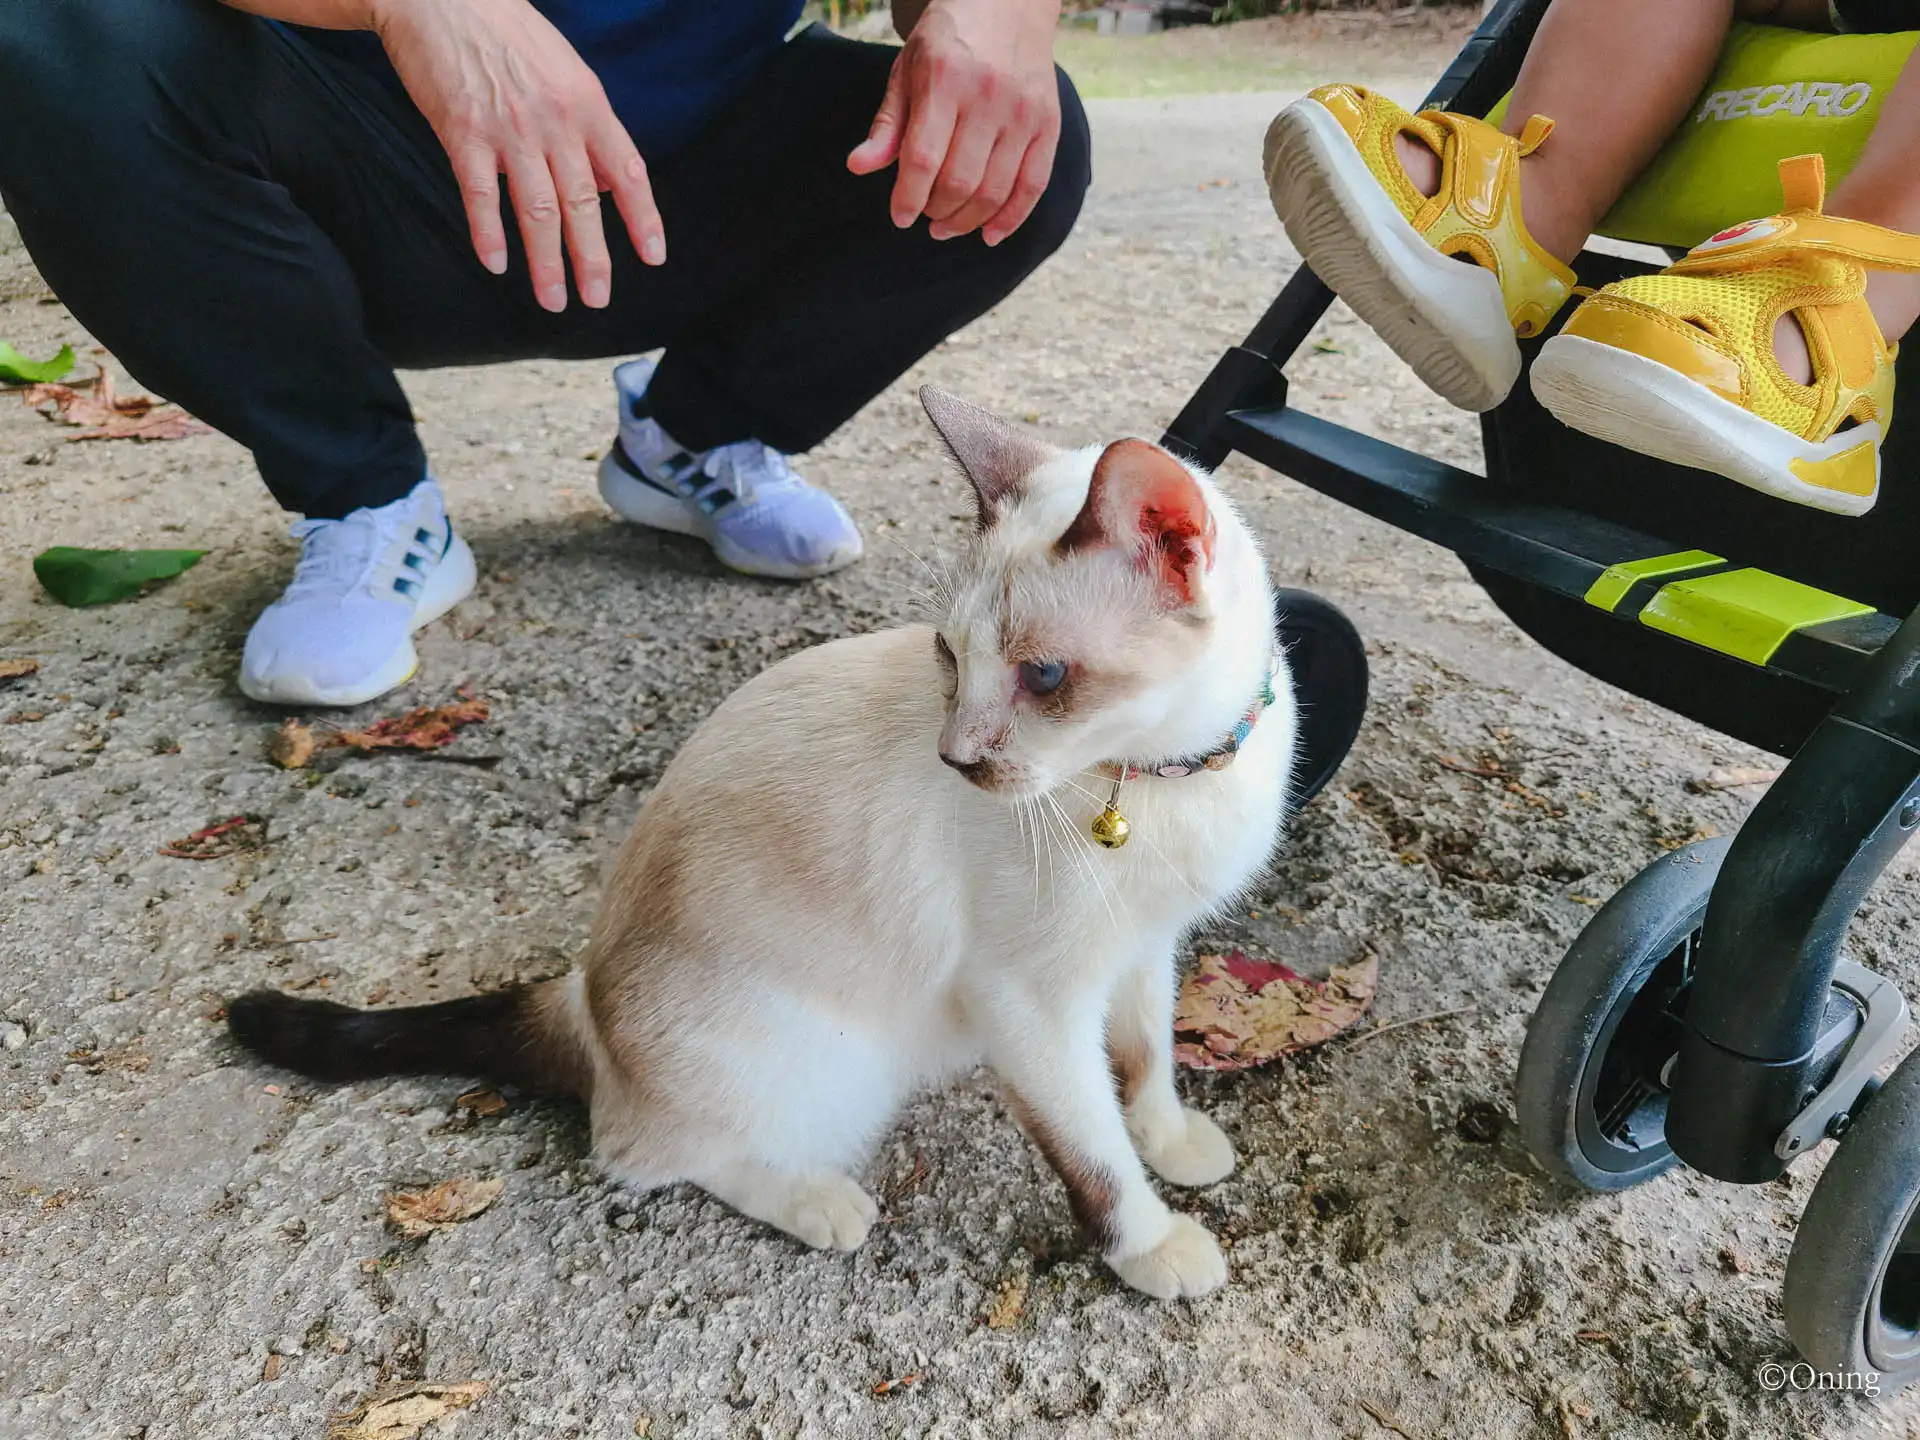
x,y
668,65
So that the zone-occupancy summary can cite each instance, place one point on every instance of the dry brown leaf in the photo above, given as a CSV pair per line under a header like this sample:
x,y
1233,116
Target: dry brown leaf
x,y
1738,778
482,1102
430,727
18,669
1007,1305
242,832
292,745
416,1214
402,1413
1235,1012
427,728
167,423
108,416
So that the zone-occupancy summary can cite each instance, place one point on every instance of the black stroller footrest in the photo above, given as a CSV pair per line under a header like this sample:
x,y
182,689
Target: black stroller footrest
x,y
1752,615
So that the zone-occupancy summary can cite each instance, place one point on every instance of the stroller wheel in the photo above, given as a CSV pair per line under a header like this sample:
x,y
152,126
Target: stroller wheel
x,y
1329,667
1853,1281
1591,1093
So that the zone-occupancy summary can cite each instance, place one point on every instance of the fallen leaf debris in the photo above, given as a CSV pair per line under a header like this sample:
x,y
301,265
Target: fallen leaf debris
x,y
403,1412
416,1214
1005,1311
1236,1012
430,727
214,842
482,1102
105,415
77,577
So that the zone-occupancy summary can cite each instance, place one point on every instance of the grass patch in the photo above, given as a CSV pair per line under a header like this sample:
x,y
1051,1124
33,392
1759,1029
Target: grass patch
x,y
1177,62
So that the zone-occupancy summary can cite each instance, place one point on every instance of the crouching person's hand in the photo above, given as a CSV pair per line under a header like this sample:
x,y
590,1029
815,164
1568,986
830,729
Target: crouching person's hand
x,y
506,94
971,113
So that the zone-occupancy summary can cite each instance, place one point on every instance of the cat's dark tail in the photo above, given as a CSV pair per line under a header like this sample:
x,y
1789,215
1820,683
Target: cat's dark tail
x,y
523,1036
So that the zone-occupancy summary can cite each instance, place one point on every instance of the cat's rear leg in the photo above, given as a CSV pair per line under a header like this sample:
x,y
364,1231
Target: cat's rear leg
x,y
823,1208
1182,1146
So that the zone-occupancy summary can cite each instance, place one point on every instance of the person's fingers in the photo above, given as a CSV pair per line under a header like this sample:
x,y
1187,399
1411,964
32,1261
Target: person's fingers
x,y
882,145
624,173
990,195
586,237
923,151
476,169
537,203
1036,173
968,155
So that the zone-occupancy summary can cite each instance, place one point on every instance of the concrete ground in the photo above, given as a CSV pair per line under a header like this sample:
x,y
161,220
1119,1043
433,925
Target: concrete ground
x,y
192,1247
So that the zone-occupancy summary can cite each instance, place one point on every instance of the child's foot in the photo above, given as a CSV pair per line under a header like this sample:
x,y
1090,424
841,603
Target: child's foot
x,y
1395,255
1683,365
342,633
743,499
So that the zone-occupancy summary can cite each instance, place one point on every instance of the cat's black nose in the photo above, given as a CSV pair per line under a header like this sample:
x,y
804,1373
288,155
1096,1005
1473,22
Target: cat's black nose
x,y
978,771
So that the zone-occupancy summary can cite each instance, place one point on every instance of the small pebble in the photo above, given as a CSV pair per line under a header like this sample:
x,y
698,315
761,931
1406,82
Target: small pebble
x,y
13,1036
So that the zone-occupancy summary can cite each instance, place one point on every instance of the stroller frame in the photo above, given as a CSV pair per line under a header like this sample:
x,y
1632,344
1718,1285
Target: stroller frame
x,y
1764,1041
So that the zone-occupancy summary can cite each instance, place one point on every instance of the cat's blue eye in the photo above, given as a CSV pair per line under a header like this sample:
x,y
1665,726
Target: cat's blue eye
x,y
1042,677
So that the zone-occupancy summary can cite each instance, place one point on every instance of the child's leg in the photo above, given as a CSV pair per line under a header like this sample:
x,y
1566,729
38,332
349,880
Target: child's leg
x,y
1606,130
1606,127
1618,77
1883,189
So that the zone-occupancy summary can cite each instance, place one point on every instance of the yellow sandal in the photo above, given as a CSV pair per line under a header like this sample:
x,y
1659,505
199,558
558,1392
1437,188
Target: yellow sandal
x,y
1681,366
1394,255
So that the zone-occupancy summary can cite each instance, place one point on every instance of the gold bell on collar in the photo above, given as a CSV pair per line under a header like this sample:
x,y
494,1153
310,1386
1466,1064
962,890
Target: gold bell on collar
x,y
1110,828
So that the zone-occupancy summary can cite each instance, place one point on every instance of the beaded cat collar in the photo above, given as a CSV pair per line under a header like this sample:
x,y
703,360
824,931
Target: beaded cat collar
x,y
1217,758
1110,827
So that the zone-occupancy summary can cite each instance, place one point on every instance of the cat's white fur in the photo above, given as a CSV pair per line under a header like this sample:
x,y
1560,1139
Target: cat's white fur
x,y
817,915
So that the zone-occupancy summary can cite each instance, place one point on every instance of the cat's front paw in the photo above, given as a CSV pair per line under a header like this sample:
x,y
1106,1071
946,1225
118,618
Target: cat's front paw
x,y
829,1212
1195,1152
1187,1262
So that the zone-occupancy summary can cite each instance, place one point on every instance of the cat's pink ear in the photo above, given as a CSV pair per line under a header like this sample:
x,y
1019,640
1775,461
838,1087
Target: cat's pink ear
x,y
997,455
1147,503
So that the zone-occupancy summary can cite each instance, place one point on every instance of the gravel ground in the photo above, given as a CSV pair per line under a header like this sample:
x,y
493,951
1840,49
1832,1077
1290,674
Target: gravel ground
x,y
194,1247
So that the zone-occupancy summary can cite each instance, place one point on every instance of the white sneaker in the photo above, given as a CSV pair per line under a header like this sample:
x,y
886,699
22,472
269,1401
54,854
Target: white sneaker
x,y
343,631
743,499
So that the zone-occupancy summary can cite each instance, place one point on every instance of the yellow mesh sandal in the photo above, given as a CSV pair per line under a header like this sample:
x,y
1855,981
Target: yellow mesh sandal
x,y
1395,256
1680,365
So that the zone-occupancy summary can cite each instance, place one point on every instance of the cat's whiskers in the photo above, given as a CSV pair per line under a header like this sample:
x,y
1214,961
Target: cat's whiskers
x,y
1025,814
1146,839
1053,884
939,597
1079,853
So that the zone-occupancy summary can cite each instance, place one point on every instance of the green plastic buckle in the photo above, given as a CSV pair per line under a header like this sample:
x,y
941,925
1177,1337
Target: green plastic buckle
x,y
1747,614
1611,588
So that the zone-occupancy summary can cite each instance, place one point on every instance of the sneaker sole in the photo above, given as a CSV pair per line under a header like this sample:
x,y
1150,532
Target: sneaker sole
x,y
1445,317
451,582
1642,405
639,502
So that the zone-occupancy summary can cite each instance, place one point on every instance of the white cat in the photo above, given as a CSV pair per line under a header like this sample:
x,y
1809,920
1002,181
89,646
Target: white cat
x,y
873,868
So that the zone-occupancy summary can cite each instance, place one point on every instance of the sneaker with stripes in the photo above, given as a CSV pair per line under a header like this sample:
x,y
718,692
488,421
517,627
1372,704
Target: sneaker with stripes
x,y
743,499
342,633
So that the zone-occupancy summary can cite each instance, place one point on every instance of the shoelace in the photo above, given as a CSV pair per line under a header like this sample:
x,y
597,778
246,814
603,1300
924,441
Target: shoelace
x,y
744,468
341,554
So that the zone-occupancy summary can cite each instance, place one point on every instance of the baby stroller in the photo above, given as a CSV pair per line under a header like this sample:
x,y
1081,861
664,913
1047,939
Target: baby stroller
x,y
1706,1015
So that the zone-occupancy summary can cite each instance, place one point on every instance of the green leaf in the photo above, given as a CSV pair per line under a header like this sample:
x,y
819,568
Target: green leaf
x,y
98,577
16,369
